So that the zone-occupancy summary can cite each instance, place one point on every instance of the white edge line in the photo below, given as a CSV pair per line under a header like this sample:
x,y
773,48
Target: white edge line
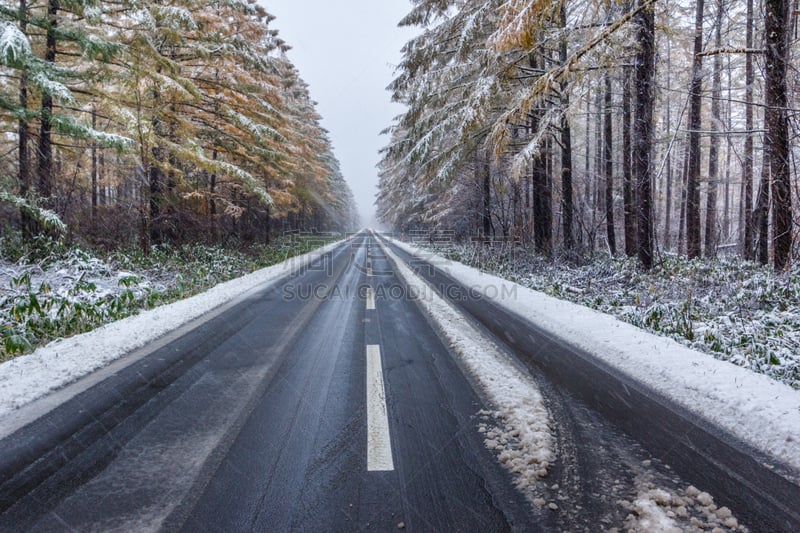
x,y
379,444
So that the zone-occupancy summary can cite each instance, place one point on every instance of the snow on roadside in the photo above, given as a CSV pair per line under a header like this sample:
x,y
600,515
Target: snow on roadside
x,y
760,411
29,377
656,510
520,433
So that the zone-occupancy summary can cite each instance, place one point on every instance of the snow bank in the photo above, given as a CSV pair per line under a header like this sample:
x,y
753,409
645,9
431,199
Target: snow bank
x,y
656,510
520,430
760,411
28,377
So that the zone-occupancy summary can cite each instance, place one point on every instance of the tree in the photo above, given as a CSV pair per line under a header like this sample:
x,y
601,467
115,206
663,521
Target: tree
x,y
643,127
566,142
747,164
716,129
608,165
48,80
505,77
693,243
776,27
628,197
208,118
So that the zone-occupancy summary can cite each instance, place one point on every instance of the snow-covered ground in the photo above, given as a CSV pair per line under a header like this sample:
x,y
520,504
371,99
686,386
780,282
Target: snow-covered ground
x,y
735,310
761,411
28,377
49,290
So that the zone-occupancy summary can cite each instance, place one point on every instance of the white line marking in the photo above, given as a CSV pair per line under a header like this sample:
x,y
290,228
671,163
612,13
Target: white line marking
x,y
369,272
370,299
379,444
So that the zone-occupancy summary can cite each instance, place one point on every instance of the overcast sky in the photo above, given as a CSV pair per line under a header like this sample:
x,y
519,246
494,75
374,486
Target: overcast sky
x,y
346,52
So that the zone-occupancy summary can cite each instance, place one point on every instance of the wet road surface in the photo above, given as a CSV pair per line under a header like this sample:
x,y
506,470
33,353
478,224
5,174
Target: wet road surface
x,y
327,402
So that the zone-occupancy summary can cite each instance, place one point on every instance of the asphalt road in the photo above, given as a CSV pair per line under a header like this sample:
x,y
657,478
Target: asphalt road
x,y
256,420
327,402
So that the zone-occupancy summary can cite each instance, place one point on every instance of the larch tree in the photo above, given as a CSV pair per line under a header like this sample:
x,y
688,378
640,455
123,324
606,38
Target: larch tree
x,y
693,241
197,101
747,164
776,28
711,233
645,66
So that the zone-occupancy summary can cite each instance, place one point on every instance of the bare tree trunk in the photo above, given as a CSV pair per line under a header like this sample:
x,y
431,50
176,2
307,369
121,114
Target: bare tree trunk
x,y
682,219
101,179
29,224
566,149
643,129
94,169
487,197
761,214
668,128
516,212
747,164
693,244
45,149
542,206
598,156
587,170
566,181
713,153
268,227
608,167
212,201
155,197
726,213
542,188
777,137
628,198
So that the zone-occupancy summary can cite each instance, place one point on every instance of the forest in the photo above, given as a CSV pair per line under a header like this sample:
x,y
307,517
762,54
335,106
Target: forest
x,y
132,123
575,127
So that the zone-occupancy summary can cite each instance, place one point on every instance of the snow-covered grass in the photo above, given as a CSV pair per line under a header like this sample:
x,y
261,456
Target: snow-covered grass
x,y
28,377
760,411
517,429
49,290
735,310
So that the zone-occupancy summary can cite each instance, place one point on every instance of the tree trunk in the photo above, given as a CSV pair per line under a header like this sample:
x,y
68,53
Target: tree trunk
x,y
643,129
608,166
713,152
94,169
212,201
45,148
588,213
144,206
155,197
29,224
682,219
597,188
487,197
516,213
726,212
761,214
542,223
668,127
268,227
101,179
542,190
693,244
628,199
747,164
777,137
566,149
